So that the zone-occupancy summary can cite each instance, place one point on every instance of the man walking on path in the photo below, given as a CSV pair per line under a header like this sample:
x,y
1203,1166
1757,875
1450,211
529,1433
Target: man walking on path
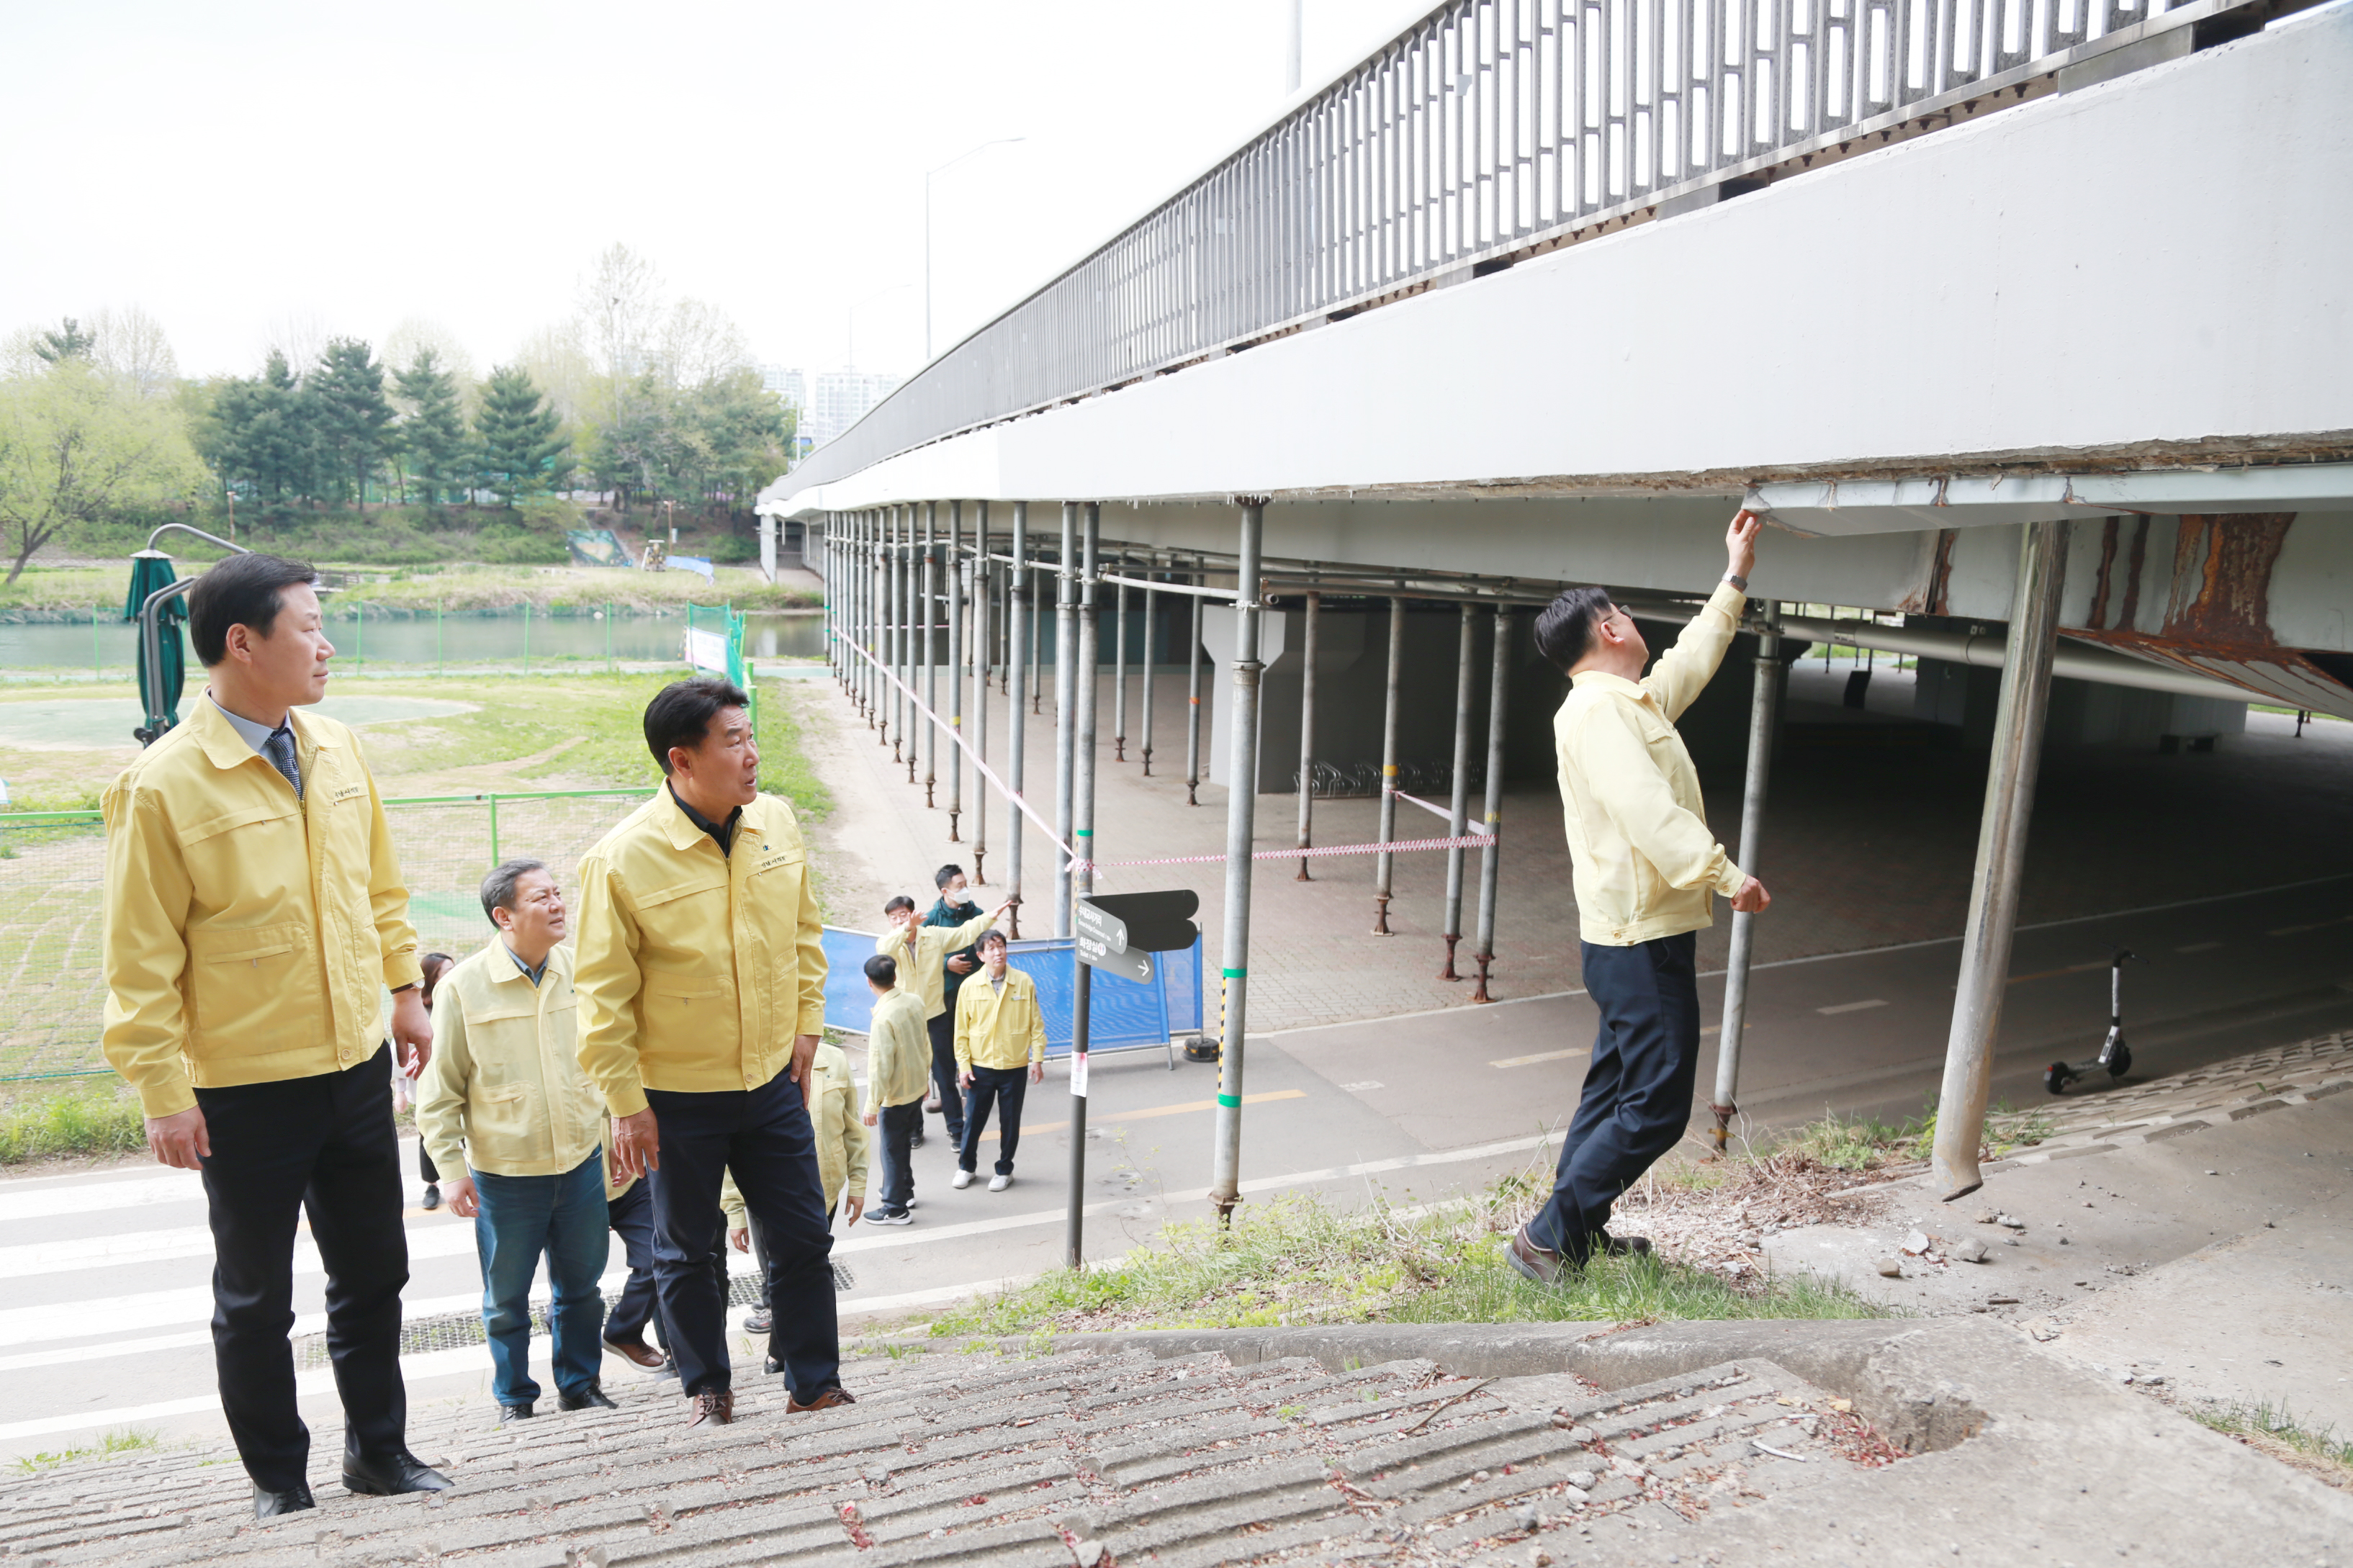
x,y
1646,868
254,912
923,947
897,1059
999,1031
701,978
517,1131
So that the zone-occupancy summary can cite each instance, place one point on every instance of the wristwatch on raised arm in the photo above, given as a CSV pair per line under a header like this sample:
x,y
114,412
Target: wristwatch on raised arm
x,y
1737,581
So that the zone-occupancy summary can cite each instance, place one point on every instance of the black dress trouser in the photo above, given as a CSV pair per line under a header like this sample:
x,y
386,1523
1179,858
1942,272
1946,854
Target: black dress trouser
x,y
324,1146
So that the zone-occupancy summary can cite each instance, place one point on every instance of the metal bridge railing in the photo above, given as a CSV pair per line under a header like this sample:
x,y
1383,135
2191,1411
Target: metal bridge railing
x,y
1487,127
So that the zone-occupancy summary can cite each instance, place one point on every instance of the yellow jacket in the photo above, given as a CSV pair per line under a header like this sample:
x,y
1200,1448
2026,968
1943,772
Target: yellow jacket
x,y
898,1051
841,1138
1641,851
926,960
504,1091
995,1030
696,969
249,934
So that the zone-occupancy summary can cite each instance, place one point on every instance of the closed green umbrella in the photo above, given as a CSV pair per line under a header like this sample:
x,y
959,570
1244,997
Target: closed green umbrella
x,y
151,570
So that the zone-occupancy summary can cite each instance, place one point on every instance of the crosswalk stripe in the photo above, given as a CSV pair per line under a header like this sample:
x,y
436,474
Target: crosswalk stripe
x,y
101,1197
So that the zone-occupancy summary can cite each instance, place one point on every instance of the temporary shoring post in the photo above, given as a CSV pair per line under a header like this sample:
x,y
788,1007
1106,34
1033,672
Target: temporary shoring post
x,y
1383,863
902,616
868,566
1764,707
1307,733
1151,620
1082,750
1460,802
1119,665
1017,600
1193,698
1242,803
980,655
956,662
1490,853
1066,637
2001,854
930,664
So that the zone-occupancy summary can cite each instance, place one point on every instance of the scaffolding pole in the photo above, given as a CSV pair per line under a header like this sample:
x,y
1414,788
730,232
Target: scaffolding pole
x,y
981,649
1017,599
1763,711
930,660
1458,804
1083,764
1490,853
1193,698
1119,667
1241,802
955,663
1066,696
1150,622
1383,864
1307,733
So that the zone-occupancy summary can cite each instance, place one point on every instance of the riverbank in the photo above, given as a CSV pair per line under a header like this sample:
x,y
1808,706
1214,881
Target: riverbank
x,y
71,592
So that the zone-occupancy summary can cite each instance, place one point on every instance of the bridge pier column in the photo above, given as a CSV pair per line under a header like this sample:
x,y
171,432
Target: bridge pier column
x,y
2017,723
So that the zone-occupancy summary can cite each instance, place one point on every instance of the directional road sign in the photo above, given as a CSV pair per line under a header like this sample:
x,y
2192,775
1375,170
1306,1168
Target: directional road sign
x,y
1140,922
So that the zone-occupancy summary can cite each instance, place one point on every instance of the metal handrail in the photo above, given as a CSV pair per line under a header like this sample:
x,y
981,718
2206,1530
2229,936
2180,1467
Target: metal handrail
x,y
1486,130
151,641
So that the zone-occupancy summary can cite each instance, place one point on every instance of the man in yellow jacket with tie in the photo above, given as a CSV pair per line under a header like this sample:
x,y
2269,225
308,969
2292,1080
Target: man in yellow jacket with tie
x,y
701,980
255,914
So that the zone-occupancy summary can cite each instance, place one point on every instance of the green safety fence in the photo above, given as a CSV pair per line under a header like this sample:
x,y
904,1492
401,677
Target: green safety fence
x,y
52,874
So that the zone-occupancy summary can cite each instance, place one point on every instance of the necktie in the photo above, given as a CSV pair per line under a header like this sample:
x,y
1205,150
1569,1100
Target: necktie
x,y
279,749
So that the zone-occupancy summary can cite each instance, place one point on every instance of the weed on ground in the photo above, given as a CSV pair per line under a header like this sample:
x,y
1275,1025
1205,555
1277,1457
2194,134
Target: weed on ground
x,y
123,1440
84,1119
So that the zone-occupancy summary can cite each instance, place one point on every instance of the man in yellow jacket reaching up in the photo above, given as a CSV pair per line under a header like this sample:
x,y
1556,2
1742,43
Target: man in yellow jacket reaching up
x,y
254,912
921,951
701,980
1646,868
1000,1046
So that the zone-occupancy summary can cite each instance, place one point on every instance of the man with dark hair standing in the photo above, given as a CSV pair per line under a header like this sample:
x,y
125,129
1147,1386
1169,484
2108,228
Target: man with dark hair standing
x,y
953,907
701,981
1645,865
920,947
255,912
519,1133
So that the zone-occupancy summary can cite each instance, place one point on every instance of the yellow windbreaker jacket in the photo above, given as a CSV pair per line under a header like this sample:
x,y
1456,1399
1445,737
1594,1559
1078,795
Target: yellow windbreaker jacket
x,y
1643,858
249,934
994,1030
842,1163
926,959
505,1091
898,1051
696,969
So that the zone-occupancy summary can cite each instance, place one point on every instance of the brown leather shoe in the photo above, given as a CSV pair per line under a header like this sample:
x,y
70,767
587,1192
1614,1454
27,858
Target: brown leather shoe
x,y
1539,1264
637,1352
714,1407
826,1399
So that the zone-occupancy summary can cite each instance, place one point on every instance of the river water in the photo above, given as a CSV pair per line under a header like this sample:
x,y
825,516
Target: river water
x,y
67,651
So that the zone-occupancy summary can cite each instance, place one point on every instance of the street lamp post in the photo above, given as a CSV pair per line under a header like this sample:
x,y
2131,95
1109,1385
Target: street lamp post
x,y
928,177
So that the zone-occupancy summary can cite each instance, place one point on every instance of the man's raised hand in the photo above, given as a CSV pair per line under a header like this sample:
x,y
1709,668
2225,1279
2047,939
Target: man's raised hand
x,y
1740,542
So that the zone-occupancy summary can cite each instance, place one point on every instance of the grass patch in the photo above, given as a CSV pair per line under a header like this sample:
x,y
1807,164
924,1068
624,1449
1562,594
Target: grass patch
x,y
1300,1260
123,1440
1868,1143
87,1119
2273,1428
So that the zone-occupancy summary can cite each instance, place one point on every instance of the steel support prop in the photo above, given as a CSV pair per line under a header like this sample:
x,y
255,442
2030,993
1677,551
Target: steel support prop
x,y
930,653
867,667
1307,733
955,565
1465,693
1119,665
2002,857
1764,715
1241,804
981,648
1082,750
1151,623
1017,601
902,604
1383,863
1193,698
1490,852
911,583
1066,696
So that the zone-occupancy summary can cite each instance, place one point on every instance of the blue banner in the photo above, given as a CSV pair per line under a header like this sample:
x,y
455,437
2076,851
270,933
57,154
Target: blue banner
x,y
1122,1014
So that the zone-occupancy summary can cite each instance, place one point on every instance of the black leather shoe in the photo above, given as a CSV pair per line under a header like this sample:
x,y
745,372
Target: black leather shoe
x,y
389,1475
267,1504
589,1398
432,1196
515,1413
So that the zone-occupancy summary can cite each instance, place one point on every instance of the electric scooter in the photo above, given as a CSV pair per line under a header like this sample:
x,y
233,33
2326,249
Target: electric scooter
x,y
2115,1056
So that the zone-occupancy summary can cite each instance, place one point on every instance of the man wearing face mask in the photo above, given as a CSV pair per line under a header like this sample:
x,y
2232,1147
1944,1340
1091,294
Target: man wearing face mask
x,y
923,947
953,907
518,1131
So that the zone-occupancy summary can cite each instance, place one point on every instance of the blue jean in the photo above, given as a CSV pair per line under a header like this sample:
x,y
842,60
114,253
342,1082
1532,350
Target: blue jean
x,y
1638,1091
765,1138
522,1218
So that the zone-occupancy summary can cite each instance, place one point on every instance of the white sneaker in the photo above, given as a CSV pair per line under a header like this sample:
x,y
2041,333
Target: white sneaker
x,y
999,1184
963,1180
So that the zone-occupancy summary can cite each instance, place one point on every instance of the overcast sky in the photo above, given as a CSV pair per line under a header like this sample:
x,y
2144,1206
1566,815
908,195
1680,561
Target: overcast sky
x,y
235,164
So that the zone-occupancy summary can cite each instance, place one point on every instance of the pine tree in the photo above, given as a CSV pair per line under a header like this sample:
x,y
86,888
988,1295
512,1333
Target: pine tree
x,y
434,435
356,419
521,451
70,343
